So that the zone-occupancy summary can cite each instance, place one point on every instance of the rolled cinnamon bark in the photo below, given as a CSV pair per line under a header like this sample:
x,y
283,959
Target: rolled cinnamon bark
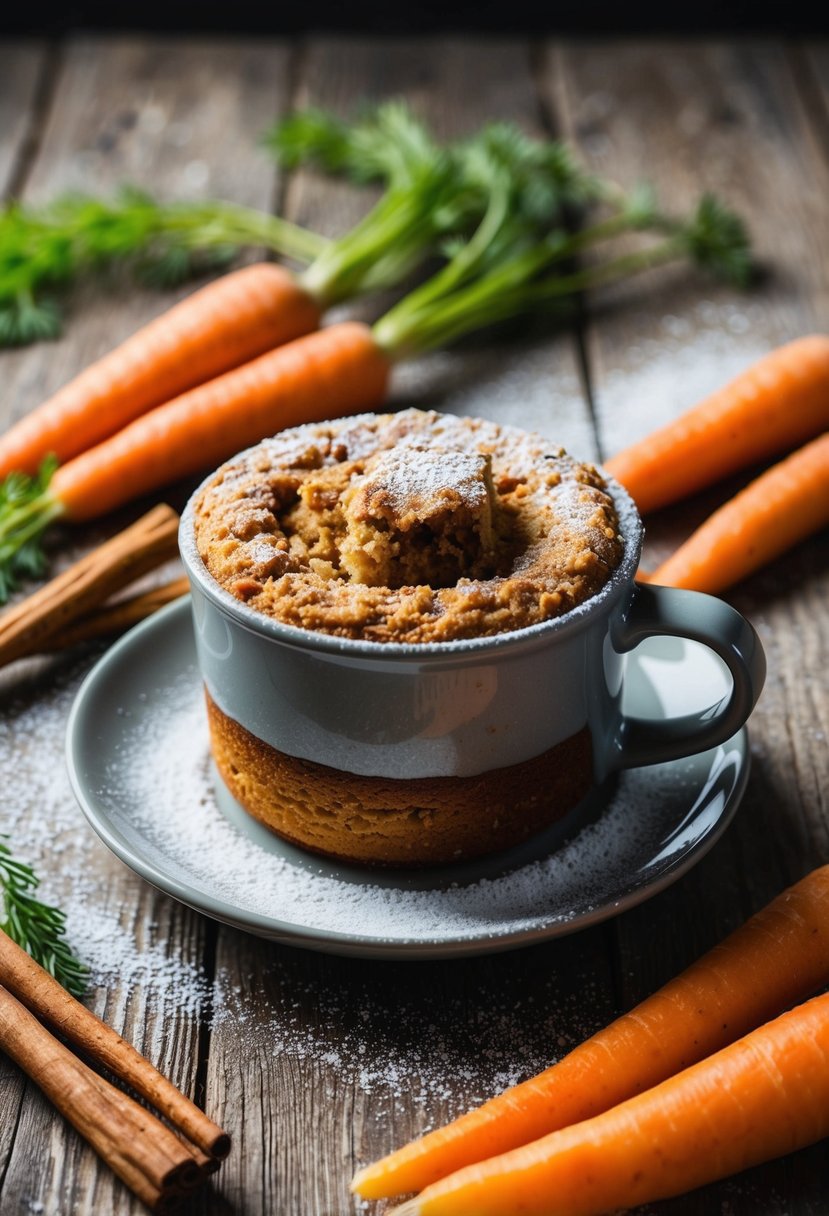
x,y
115,618
133,1142
88,583
45,997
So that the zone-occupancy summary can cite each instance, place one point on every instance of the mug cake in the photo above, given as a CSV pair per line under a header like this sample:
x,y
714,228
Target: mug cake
x,y
420,529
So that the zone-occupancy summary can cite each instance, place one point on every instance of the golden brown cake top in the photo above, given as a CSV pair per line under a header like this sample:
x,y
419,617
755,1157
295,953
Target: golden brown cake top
x,y
410,527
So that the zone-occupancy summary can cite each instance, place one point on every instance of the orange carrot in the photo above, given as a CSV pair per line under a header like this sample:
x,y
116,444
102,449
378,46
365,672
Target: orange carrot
x,y
226,323
786,504
778,957
774,406
325,374
765,1095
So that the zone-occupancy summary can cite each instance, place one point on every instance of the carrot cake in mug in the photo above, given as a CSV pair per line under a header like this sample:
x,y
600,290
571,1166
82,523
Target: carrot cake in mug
x,y
414,528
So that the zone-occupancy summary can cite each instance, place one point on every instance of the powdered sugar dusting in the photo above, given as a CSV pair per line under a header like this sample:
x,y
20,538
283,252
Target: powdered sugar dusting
x,y
416,479
46,829
159,785
666,373
396,1043
156,782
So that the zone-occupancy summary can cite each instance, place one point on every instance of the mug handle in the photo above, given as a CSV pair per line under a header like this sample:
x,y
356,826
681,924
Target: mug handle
x,y
702,618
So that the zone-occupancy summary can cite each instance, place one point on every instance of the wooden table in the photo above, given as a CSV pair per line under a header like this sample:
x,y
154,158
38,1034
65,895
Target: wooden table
x,y
750,121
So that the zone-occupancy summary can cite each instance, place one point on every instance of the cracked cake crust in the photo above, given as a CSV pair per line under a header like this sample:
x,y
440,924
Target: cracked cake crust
x,y
413,527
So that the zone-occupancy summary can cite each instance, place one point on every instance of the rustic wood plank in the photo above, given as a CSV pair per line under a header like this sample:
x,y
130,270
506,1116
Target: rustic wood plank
x,y
815,56
417,1031
728,119
12,1096
691,118
285,1068
181,119
21,65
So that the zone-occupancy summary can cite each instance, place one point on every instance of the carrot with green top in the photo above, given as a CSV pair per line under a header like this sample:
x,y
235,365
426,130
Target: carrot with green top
x,y
237,317
498,273
763,1096
776,405
783,506
780,956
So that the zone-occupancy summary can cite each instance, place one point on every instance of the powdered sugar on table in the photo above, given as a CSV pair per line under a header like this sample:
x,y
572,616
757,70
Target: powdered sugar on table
x,y
159,781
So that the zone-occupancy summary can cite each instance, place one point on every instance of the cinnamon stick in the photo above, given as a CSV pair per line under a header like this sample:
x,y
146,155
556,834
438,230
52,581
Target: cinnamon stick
x,y
116,618
88,584
134,1143
45,997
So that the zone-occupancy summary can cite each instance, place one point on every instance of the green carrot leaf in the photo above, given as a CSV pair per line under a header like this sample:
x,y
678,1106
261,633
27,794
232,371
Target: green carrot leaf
x,y
386,143
26,510
718,241
43,250
24,319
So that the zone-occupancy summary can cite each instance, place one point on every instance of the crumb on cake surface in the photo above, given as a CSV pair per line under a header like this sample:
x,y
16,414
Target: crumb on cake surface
x,y
410,527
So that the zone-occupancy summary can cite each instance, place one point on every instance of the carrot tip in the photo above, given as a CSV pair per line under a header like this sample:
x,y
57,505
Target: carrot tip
x,y
357,1180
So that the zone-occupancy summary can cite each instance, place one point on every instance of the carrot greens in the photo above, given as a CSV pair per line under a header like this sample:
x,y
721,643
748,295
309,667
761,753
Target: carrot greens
x,y
435,198
25,512
424,196
509,213
508,272
508,224
44,250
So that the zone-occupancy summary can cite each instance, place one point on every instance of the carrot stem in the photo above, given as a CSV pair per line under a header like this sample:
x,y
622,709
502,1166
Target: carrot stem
x,y
395,236
423,321
469,294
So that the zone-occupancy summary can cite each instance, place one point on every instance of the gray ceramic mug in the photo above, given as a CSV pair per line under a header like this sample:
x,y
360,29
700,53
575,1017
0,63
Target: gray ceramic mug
x,y
536,711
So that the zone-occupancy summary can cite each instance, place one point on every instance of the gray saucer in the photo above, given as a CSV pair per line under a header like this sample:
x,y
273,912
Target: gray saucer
x,y
139,764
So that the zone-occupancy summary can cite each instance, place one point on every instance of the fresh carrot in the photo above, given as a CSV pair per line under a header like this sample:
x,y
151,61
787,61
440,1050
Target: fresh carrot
x,y
784,505
761,1097
776,405
328,373
496,274
231,320
779,957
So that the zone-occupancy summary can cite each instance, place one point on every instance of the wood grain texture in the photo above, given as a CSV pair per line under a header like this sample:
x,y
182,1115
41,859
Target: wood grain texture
x,y
182,120
813,58
315,1063
731,119
691,118
21,65
20,68
282,1059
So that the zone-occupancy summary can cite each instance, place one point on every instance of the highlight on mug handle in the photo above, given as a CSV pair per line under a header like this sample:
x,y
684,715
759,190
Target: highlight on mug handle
x,y
701,618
